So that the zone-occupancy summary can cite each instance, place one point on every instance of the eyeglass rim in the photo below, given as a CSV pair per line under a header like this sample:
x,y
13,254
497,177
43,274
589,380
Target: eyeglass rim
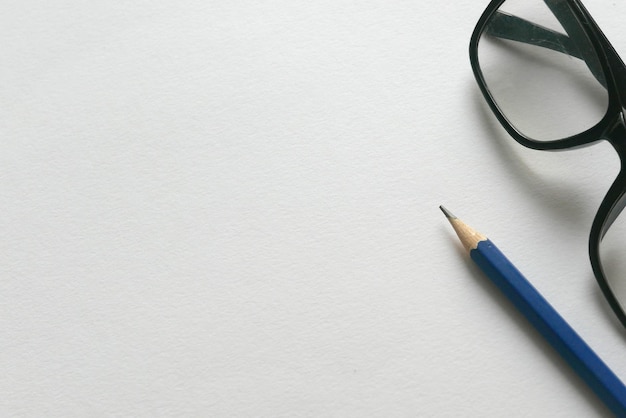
x,y
601,45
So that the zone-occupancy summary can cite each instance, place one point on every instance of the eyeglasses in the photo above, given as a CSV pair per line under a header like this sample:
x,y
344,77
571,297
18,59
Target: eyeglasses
x,y
554,82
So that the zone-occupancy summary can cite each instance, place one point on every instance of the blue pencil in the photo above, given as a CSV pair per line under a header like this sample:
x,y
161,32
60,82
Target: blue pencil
x,y
543,316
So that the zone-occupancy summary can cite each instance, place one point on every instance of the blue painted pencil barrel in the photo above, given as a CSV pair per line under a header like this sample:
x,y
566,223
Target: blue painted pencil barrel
x,y
552,326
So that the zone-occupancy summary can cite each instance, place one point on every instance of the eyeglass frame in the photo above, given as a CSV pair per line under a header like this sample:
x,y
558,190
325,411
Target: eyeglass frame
x,y
612,126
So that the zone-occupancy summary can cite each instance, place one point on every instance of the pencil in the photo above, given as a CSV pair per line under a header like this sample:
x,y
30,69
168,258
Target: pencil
x,y
561,336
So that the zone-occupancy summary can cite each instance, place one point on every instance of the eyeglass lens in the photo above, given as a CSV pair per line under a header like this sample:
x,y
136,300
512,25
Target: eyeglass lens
x,y
541,69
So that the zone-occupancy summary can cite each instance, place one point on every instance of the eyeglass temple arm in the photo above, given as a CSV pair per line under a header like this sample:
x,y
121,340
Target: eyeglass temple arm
x,y
506,26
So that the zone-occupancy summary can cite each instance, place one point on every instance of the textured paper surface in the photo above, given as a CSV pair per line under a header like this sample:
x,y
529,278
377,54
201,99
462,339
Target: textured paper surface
x,y
231,209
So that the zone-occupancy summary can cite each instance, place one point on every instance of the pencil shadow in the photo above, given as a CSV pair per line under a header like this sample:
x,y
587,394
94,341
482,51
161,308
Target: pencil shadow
x,y
521,323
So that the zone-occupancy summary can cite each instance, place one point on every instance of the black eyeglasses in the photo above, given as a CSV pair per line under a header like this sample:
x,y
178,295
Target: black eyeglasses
x,y
555,82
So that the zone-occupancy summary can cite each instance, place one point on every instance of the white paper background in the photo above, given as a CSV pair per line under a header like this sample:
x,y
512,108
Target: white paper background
x,y
230,209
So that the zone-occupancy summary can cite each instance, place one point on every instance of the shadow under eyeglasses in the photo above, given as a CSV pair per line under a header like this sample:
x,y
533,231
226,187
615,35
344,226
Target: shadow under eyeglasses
x,y
567,196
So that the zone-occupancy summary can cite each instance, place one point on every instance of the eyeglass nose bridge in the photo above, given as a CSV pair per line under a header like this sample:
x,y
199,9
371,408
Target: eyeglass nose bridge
x,y
611,207
615,199
615,133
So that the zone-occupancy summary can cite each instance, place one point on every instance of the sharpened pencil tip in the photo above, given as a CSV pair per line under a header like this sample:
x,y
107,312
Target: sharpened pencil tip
x,y
468,236
446,212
